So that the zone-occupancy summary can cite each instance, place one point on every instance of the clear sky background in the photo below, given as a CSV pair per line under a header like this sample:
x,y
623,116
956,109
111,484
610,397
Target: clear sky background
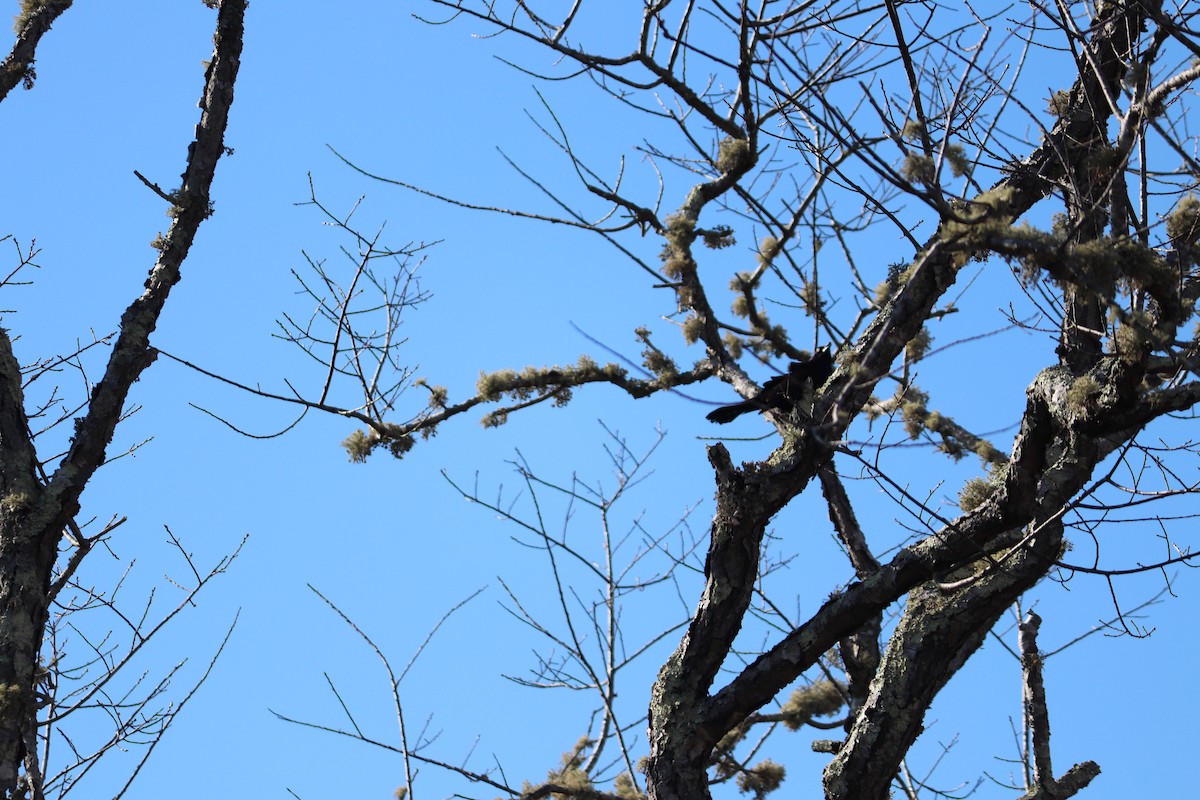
x,y
391,542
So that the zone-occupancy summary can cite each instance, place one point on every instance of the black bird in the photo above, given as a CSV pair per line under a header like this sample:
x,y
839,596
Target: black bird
x,y
782,392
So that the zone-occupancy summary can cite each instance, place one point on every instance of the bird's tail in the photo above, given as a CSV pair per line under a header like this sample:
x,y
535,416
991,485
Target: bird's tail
x,y
726,414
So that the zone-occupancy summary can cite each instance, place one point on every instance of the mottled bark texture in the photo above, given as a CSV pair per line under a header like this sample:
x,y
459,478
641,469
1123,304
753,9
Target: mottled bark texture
x,y
33,513
975,565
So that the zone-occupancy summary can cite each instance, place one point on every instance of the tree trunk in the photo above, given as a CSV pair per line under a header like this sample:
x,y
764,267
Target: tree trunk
x,y
33,512
26,558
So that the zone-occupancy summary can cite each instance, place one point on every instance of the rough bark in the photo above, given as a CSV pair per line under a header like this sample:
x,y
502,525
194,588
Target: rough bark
x,y
939,631
32,515
18,66
1052,459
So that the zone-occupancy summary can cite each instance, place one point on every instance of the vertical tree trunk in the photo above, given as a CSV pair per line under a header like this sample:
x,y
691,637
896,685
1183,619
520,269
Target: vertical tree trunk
x,y
26,558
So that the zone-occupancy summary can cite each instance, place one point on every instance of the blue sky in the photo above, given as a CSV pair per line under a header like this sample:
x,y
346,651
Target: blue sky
x,y
391,542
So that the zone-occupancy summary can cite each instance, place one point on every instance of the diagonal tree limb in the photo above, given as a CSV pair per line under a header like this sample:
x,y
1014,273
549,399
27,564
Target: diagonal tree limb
x,y
684,722
132,352
32,518
18,66
928,647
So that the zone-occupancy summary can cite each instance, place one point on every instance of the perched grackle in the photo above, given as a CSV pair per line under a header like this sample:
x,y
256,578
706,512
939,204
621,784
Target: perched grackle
x,y
782,392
